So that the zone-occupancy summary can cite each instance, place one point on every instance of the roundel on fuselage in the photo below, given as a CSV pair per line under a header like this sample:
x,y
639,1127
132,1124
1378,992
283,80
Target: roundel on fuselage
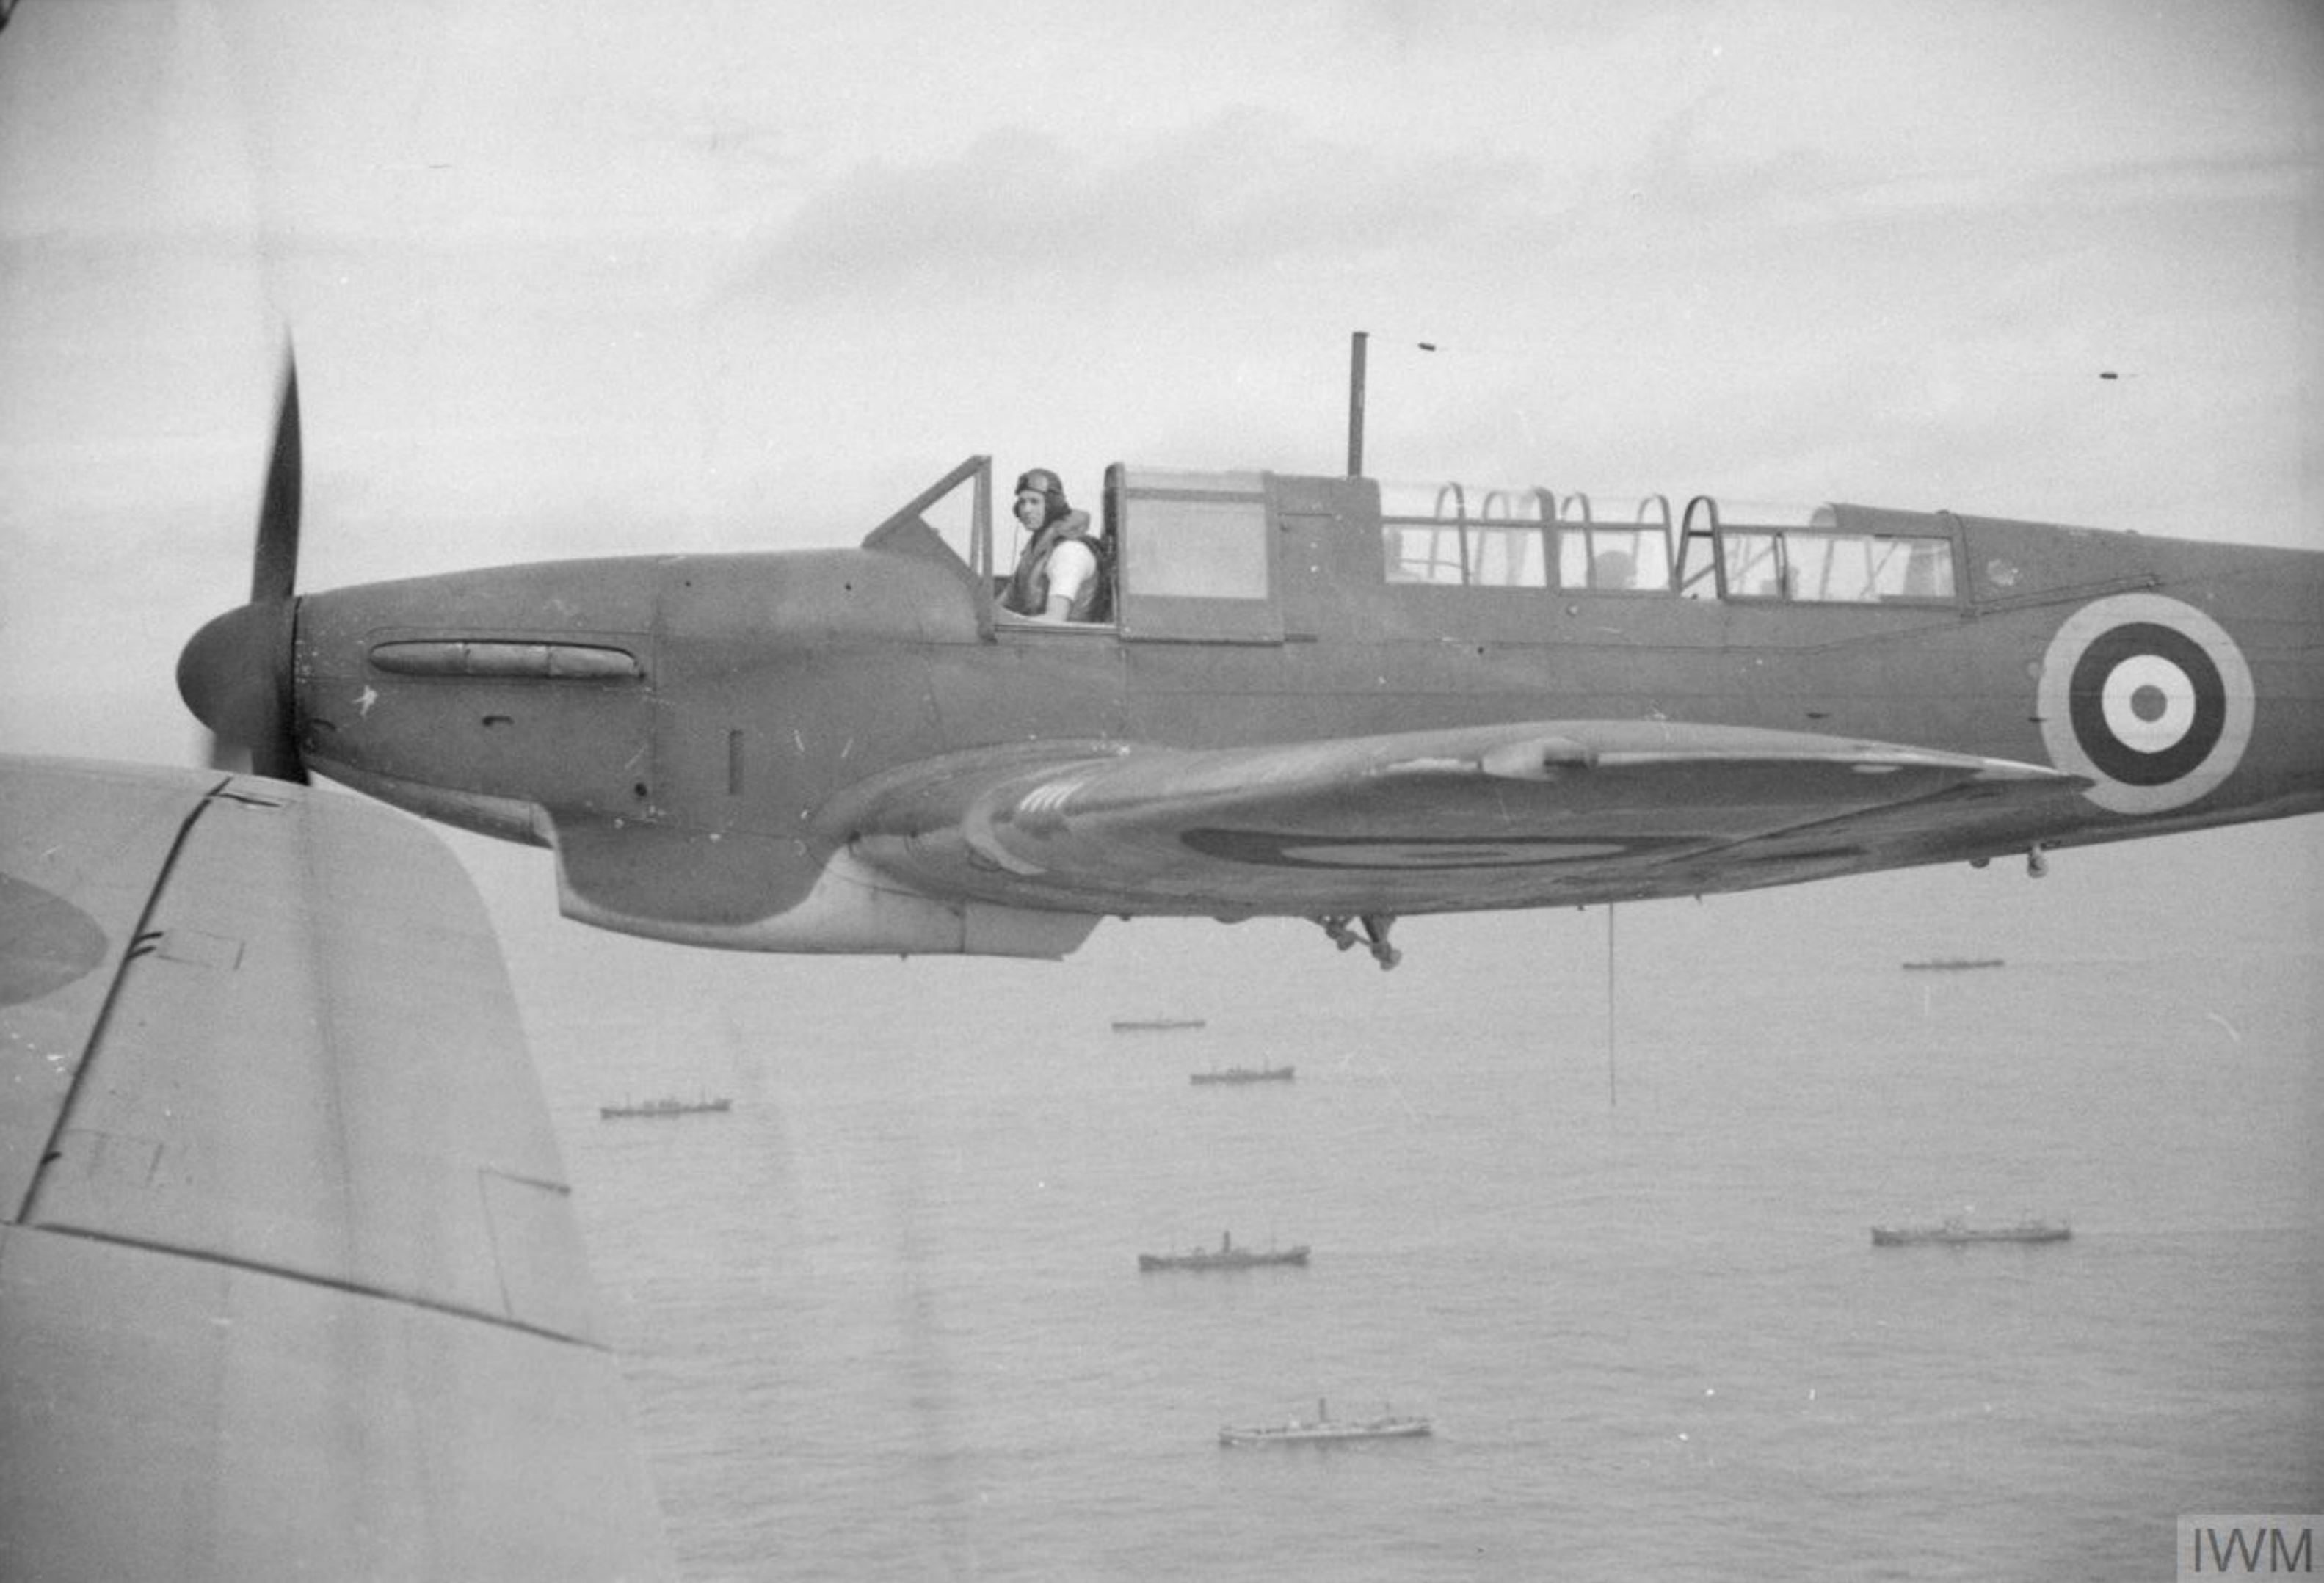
x,y
2147,696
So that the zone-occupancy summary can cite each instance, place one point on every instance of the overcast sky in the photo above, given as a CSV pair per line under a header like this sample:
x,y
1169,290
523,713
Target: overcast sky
x,y
577,278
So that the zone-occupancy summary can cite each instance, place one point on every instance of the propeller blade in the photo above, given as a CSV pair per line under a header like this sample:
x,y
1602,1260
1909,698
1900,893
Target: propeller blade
x,y
278,756
274,567
235,674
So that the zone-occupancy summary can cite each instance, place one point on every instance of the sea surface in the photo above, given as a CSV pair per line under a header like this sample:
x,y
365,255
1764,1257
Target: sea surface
x,y
1603,1216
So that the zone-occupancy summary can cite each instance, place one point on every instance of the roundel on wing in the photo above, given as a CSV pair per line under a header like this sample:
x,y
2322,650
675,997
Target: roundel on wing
x,y
45,941
2147,696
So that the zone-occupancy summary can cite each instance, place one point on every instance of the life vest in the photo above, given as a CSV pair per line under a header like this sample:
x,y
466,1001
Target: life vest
x,y
1029,589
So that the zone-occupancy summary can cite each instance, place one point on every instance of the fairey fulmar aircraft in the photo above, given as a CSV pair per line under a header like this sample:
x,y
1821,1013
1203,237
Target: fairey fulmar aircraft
x,y
1321,697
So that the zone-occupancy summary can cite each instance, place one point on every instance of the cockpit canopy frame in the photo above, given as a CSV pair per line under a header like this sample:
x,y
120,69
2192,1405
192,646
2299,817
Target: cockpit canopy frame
x,y
1195,553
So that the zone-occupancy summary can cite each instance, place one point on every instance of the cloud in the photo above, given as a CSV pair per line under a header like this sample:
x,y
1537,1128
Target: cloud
x,y
1466,24
1241,191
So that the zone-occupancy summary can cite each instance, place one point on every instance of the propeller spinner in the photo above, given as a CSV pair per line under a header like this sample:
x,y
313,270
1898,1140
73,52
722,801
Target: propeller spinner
x,y
235,674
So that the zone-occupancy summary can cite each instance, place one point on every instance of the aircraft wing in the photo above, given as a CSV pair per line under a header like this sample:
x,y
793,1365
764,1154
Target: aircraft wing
x,y
1475,817
290,1280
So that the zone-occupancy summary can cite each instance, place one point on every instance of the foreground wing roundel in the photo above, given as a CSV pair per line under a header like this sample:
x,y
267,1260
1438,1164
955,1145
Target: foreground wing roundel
x,y
2149,697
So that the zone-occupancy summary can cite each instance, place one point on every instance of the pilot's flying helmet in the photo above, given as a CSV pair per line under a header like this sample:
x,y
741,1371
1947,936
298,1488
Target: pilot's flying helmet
x,y
1049,486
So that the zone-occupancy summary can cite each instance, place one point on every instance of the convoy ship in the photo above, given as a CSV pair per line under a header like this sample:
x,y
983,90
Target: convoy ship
x,y
664,1106
1324,1427
1226,1256
1243,1074
1956,1231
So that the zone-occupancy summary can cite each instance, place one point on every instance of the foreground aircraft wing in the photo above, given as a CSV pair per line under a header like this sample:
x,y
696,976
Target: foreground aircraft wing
x,y
290,1282
1486,815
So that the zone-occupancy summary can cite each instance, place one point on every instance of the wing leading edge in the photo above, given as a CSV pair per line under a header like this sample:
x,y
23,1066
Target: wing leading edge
x,y
290,1283
1503,816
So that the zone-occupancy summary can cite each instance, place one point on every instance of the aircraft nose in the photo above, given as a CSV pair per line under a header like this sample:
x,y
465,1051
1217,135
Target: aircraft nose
x,y
235,674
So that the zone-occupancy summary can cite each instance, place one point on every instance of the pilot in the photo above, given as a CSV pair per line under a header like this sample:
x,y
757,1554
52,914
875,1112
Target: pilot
x,y
1056,578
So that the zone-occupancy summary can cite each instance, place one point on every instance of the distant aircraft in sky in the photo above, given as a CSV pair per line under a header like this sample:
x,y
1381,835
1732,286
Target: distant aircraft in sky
x,y
1320,697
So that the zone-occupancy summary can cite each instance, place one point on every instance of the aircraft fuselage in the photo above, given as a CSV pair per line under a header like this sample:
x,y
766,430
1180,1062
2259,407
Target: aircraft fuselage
x,y
702,737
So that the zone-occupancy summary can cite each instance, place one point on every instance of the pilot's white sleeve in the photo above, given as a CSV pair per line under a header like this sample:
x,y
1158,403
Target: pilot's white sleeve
x,y
1071,564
